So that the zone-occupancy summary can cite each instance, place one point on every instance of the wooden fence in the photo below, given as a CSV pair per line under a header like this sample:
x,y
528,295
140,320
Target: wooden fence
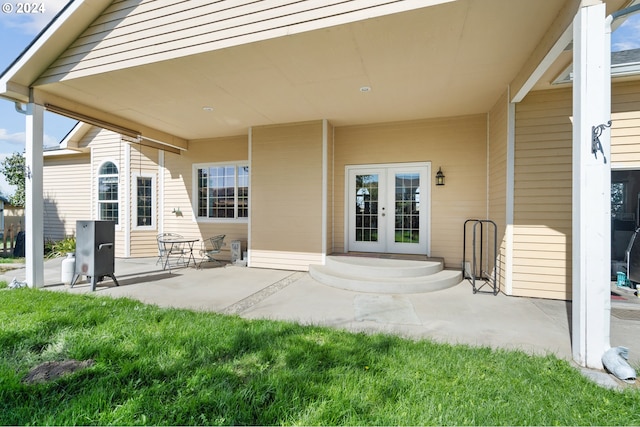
x,y
9,238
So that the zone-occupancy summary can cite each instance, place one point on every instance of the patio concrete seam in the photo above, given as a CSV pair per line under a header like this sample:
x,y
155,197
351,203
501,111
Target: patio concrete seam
x,y
261,295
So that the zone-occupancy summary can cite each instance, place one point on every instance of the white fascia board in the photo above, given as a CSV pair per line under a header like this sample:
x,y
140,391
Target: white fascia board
x,y
621,70
72,139
63,152
14,92
57,36
553,54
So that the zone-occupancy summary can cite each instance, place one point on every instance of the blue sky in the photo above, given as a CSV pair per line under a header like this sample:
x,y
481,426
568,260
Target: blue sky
x,y
18,30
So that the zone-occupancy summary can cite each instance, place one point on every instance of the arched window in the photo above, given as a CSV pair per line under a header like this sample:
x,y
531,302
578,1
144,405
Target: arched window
x,y
108,192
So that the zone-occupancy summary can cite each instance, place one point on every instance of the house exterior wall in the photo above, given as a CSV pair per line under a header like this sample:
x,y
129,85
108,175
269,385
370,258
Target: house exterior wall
x,y
286,195
542,195
143,161
625,130
108,146
498,117
458,145
330,186
67,192
177,176
542,211
133,32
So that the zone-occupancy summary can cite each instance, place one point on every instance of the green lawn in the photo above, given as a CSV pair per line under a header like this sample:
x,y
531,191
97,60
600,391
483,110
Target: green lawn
x,y
157,366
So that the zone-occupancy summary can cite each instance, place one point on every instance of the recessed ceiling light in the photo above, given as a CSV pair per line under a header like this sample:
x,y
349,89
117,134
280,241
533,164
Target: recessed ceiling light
x,y
365,89
207,108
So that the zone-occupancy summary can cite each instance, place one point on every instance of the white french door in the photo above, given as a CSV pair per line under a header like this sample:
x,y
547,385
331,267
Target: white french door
x,y
388,208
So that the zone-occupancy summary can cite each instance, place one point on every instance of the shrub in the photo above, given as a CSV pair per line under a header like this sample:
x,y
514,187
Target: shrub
x,y
55,249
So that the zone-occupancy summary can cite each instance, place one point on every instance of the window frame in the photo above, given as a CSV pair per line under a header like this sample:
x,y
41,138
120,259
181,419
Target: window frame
x,y
194,201
99,202
134,204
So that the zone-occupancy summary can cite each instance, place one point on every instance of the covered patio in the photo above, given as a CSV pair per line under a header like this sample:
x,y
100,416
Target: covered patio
x,y
345,64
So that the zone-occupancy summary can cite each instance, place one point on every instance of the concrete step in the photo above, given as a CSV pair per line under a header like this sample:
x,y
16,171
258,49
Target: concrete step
x,y
387,276
380,267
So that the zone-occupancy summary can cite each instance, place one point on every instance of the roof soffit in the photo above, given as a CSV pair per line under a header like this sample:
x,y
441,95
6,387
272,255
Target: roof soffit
x,y
455,58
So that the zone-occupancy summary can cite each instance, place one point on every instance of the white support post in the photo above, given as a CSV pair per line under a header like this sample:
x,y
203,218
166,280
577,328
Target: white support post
x,y
591,255
34,201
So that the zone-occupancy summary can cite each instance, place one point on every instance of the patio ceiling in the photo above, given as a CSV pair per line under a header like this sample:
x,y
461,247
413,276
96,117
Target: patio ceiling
x,y
451,59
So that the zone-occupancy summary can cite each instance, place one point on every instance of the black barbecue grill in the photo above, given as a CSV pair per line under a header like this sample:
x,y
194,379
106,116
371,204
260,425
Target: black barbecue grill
x,y
95,251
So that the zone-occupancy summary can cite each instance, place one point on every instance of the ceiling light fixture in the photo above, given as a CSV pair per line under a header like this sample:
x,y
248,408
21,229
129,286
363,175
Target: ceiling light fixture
x,y
207,108
365,89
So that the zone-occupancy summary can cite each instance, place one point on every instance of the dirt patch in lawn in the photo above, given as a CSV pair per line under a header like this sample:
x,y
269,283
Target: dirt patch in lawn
x,y
50,371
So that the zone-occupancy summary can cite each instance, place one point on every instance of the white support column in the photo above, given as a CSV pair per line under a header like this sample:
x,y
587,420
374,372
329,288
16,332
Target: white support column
x,y
34,201
591,188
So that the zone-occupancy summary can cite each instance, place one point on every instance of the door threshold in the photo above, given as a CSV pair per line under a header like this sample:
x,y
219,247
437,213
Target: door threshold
x,y
382,255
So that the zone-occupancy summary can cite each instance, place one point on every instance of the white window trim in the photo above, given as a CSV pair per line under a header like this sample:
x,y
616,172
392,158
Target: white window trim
x,y
134,201
194,186
96,197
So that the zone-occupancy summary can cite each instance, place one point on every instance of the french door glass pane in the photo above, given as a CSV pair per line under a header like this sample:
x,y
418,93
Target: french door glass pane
x,y
407,208
366,212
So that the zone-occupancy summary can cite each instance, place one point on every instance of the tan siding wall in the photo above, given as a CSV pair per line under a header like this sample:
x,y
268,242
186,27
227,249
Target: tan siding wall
x,y
458,145
133,32
498,179
178,189
107,146
331,214
143,162
625,131
543,183
286,180
67,194
542,205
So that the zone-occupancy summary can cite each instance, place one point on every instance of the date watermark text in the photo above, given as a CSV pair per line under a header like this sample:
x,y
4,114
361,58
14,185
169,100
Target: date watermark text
x,y
23,8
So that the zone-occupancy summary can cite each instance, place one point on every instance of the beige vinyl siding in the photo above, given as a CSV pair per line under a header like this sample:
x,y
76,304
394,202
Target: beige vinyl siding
x,y
543,183
286,195
67,194
143,161
542,196
498,180
178,190
625,130
458,145
331,214
108,146
133,32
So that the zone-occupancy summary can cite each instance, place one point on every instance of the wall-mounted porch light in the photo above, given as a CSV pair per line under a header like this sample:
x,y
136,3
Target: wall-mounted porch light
x,y
439,177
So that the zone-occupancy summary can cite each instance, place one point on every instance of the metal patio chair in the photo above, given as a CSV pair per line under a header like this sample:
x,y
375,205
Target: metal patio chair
x,y
210,248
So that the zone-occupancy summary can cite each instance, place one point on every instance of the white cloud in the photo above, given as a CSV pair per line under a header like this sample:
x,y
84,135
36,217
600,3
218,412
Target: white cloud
x,y
13,141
